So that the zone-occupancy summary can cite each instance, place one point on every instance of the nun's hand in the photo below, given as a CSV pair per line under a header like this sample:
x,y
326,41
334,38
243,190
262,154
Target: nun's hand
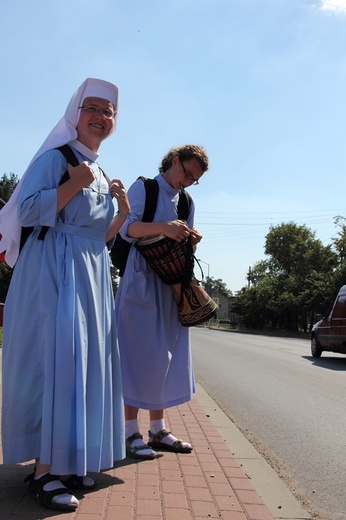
x,y
118,191
81,175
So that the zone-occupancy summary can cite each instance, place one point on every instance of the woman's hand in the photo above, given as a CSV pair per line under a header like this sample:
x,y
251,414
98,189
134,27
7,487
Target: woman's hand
x,y
118,191
195,236
81,176
176,229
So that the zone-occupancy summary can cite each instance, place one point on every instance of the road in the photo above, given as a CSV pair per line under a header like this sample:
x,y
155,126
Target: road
x,y
292,407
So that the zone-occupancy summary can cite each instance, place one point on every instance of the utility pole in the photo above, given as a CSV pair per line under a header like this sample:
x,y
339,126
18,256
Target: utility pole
x,y
248,278
208,283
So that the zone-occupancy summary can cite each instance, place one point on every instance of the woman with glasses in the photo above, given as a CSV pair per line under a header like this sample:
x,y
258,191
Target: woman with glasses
x,y
154,347
62,391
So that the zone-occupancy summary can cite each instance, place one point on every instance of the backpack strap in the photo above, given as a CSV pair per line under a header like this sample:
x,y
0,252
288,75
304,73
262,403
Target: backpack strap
x,y
71,159
151,195
69,155
184,204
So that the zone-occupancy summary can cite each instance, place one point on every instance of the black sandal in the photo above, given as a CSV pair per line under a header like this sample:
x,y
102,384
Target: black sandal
x,y
77,482
135,451
45,498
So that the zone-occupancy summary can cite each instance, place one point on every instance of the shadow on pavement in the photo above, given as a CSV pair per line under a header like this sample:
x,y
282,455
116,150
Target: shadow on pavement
x,y
330,363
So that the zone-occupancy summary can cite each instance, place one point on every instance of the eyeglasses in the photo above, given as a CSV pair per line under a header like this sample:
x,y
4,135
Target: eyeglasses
x,y
92,110
188,175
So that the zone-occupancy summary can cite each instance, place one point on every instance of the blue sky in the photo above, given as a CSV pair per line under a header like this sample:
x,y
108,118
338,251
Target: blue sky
x,y
259,83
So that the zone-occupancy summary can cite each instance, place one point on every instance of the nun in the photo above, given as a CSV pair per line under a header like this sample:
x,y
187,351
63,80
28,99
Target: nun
x,y
62,391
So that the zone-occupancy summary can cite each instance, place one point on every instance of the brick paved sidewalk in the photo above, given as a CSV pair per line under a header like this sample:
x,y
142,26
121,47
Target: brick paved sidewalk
x,y
208,483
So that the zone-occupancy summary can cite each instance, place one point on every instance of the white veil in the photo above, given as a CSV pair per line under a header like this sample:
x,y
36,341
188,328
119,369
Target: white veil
x,y
64,132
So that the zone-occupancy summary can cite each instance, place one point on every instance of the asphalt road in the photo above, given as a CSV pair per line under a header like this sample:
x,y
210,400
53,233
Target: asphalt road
x,y
289,404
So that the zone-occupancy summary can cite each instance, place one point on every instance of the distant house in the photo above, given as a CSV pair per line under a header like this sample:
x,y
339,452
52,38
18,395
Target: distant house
x,y
223,305
224,311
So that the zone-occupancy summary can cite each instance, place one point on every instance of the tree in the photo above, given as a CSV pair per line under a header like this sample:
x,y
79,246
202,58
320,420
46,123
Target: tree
x,y
114,277
340,241
258,272
294,250
297,256
7,185
5,278
293,284
212,285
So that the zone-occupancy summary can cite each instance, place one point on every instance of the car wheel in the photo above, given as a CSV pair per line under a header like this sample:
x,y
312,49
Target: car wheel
x,y
316,350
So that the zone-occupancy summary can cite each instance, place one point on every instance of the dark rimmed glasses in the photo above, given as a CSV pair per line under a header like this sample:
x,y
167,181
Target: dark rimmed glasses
x,y
93,110
189,176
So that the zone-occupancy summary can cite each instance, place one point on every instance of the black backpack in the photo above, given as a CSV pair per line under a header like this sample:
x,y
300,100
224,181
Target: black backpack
x,y
121,248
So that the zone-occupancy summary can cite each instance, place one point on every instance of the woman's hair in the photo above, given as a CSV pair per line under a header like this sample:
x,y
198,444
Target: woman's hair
x,y
186,152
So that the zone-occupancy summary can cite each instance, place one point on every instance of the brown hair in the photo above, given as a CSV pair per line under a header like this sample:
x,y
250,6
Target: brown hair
x,y
186,152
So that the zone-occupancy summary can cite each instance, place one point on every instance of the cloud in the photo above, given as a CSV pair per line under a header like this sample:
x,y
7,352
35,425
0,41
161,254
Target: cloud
x,y
334,5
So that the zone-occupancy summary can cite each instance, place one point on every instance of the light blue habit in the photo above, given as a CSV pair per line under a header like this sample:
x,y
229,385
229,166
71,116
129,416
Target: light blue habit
x,y
155,348
62,391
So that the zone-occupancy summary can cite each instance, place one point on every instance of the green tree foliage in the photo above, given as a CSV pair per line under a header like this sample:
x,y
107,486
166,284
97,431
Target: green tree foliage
x,y
114,277
211,286
7,185
295,282
340,240
5,278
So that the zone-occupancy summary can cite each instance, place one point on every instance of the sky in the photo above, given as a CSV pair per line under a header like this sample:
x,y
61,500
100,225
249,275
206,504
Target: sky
x,y
259,83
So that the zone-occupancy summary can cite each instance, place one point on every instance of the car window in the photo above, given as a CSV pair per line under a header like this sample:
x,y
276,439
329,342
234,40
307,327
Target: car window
x,y
340,307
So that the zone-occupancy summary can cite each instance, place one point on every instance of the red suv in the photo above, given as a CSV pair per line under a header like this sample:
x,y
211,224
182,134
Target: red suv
x,y
329,334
